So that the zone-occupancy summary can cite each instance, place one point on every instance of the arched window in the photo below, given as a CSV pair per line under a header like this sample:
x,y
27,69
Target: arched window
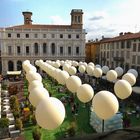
x,y
10,66
19,65
53,48
44,48
36,48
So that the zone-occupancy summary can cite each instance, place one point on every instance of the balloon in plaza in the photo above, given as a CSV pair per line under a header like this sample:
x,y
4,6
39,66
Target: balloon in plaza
x,y
130,78
111,75
85,93
97,72
38,94
122,89
133,71
82,68
73,83
119,71
50,113
105,104
105,69
72,70
62,77
90,70
33,84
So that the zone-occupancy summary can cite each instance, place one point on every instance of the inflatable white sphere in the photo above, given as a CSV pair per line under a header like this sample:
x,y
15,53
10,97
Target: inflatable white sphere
x,y
122,89
90,70
85,93
111,75
82,68
119,71
62,77
66,67
50,113
72,70
105,69
38,94
105,104
97,72
91,63
98,66
34,84
130,78
33,76
133,71
73,83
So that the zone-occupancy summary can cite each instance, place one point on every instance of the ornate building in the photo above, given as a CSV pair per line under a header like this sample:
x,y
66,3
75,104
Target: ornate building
x,y
46,42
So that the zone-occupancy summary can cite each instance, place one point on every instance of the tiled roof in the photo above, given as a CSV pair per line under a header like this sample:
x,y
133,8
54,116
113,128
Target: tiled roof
x,y
40,26
125,36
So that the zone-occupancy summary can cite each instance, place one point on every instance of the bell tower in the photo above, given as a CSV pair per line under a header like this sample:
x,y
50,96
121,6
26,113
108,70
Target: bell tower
x,y
27,17
77,18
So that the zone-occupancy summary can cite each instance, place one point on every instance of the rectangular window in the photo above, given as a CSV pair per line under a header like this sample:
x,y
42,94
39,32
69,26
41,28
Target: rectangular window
x,y
122,44
18,50
133,59
128,54
128,44
44,48
107,55
36,35
69,50
27,50
61,35
53,35
77,36
18,35
44,35
9,50
27,35
9,35
134,47
77,50
138,61
139,47
61,50
69,35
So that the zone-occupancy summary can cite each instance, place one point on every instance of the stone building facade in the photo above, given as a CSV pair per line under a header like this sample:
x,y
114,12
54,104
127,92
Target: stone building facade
x,y
46,42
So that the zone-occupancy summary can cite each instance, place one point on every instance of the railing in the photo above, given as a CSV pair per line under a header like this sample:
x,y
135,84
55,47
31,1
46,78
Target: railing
x,y
118,58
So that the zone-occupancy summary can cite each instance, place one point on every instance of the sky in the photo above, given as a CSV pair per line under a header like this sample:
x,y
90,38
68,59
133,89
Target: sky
x,y
101,17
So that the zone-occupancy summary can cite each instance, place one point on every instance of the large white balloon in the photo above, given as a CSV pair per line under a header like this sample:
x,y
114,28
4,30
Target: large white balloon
x,y
105,69
105,104
73,83
72,70
62,77
122,89
85,93
50,113
130,78
66,67
91,63
97,72
90,70
133,71
119,71
34,84
30,76
82,68
37,94
111,75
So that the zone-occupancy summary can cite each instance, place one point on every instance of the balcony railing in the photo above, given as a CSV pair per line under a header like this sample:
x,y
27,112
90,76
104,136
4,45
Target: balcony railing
x,y
118,58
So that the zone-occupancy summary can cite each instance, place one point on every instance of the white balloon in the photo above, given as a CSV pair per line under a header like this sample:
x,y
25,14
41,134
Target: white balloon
x,y
50,113
105,104
105,69
73,83
85,93
90,70
82,68
122,89
62,77
111,75
97,72
130,78
30,76
119,71
72,70
133,71
38,94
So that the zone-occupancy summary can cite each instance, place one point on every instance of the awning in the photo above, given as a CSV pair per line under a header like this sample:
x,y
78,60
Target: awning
x,y
13,72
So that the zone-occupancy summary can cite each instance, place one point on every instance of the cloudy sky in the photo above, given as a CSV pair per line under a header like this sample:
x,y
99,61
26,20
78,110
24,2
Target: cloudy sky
x,y
101,17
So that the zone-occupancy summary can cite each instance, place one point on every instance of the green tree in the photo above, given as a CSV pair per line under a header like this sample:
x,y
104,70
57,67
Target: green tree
x,y
36,133
4,122
18,124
